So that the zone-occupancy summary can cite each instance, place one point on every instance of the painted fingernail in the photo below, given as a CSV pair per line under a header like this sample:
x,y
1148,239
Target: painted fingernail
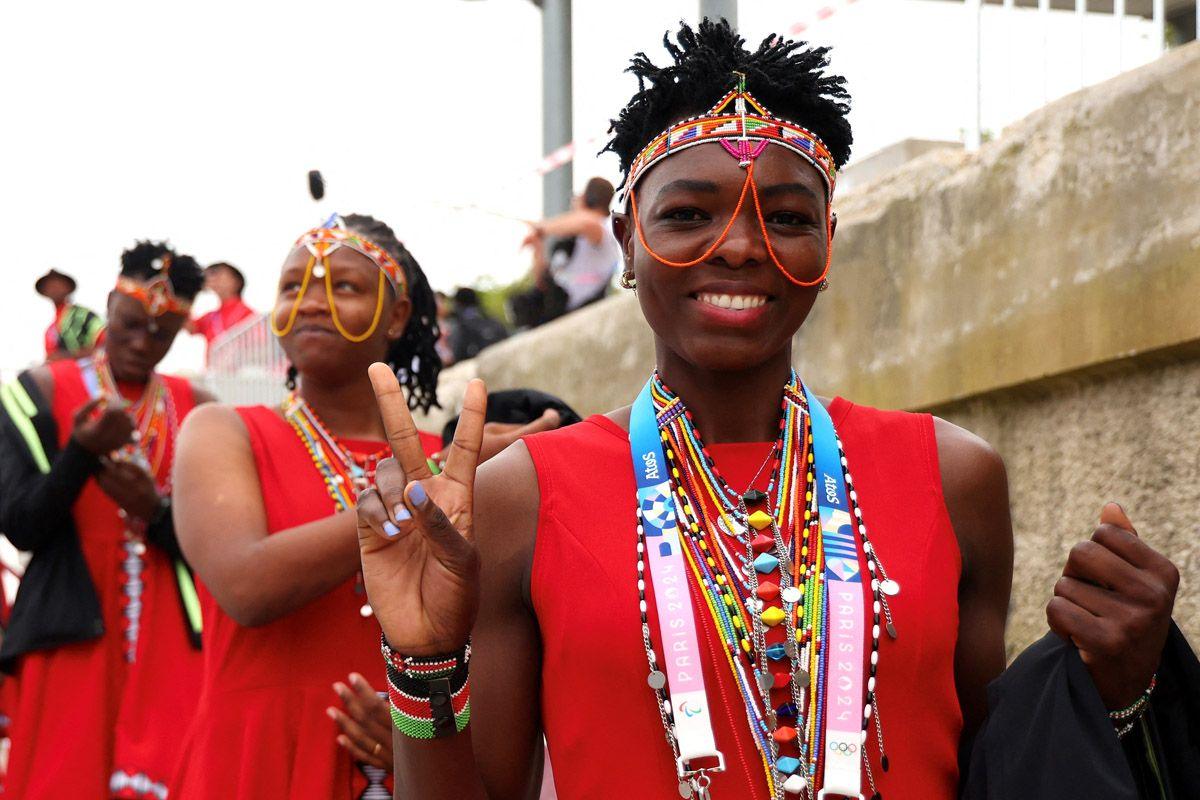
x,y
390,529
401,512
417,494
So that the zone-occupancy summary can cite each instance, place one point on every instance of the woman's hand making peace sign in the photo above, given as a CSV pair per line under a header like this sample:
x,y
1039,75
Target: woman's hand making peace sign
x,y
415,529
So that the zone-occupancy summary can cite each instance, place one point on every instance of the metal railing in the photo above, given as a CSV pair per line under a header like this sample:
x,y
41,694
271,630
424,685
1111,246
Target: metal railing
x,y
246,366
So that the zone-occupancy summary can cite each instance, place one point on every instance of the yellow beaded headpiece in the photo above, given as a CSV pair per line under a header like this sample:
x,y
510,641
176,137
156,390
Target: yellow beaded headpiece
x,y
321,243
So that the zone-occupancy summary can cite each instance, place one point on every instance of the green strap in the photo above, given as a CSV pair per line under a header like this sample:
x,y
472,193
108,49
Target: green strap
x,y
21,410
1151,756
191,601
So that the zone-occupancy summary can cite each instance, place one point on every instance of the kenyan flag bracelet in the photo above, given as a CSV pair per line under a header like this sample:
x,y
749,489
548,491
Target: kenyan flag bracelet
x,y
429,697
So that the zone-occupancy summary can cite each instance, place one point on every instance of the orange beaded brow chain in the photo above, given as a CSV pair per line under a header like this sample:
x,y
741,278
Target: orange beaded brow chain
x,y
321,243
744,136
156,295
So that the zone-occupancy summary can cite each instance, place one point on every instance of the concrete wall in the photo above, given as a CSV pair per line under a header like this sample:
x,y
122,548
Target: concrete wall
x,y
1044,292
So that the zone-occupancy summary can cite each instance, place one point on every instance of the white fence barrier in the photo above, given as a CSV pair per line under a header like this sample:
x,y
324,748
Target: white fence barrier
x,y
246,366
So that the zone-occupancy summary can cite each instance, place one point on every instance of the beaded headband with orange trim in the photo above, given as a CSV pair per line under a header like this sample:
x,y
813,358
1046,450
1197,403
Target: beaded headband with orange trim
x,y
156,295
744,134
321,242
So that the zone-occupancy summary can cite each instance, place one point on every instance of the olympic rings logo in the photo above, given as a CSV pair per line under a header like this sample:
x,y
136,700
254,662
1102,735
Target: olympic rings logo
x,y
845,748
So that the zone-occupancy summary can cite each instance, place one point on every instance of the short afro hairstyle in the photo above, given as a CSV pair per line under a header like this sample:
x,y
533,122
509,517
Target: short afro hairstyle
x,y
146,260
788,77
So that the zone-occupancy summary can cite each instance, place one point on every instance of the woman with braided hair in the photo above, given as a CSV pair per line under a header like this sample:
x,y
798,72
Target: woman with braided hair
x,y
266,499
266,514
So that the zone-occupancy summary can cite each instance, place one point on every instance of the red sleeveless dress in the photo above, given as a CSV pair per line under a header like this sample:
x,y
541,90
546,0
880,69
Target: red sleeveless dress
x,y
86,719
261,730
601,720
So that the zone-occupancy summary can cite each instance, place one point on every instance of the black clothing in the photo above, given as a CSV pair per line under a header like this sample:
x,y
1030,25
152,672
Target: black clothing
x,y
1048,735
57,602
520,406
471,331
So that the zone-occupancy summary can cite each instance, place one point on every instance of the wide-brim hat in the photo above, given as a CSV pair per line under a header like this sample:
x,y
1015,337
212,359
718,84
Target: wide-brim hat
x,y
40,284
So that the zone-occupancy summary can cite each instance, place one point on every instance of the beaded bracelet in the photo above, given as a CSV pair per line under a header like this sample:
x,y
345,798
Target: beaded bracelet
x,y
1126,718
429,697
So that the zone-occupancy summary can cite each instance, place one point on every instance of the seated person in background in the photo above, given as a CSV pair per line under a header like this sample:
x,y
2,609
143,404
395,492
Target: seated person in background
x,y
580,273
226,282
471,328
75,330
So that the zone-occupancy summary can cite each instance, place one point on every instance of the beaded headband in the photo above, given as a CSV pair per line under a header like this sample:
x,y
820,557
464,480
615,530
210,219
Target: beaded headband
x,y
156,295
743,134
322,242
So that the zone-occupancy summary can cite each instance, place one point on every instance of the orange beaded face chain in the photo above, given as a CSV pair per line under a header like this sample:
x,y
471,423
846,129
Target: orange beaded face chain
x,y
321,244
744,136
156,295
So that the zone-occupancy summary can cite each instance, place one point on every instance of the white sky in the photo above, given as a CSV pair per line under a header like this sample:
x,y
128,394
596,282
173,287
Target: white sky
x,y
198,122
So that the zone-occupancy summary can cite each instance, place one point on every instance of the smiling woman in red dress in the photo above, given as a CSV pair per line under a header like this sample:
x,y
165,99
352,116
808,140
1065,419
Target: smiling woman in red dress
x,y
733,589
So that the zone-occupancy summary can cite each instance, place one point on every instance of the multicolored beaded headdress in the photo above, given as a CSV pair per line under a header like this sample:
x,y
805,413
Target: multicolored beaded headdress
x,y
321,243
745,135
156,295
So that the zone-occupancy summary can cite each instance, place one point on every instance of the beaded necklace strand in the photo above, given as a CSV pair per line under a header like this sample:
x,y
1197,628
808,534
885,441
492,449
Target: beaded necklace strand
x,y
344,472
732,552
155,426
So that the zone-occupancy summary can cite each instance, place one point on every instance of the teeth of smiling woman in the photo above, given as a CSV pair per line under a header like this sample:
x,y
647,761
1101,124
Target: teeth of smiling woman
x,y
737,302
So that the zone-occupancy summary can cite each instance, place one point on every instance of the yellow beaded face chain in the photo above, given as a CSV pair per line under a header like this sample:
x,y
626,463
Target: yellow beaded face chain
x,y
321,244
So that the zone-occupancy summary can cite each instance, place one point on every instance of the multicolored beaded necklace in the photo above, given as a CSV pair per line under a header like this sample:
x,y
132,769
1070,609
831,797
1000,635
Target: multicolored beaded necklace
x,y
758,561
345,472
156,424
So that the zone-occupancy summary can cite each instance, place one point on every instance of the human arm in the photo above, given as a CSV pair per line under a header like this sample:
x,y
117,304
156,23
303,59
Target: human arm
x,y
221,524
975,487
35,503
577,222
441,571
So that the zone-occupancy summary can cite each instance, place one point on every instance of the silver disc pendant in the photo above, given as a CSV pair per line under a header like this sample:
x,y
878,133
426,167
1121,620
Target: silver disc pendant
x,y
765,681
802,677
737,531
789,647
657,680
791,594
318,271
685,789
889,587
891,629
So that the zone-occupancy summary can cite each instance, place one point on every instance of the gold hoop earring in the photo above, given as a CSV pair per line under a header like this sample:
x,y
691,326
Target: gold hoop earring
x,y
628,281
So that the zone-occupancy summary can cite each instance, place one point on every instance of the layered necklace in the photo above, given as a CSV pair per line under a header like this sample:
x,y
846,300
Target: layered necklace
x,y
758,564
155,426
345,473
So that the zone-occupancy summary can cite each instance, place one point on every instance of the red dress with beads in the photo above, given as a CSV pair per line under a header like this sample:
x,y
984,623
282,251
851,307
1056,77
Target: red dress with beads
x,y
601,720
261,729
90,724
